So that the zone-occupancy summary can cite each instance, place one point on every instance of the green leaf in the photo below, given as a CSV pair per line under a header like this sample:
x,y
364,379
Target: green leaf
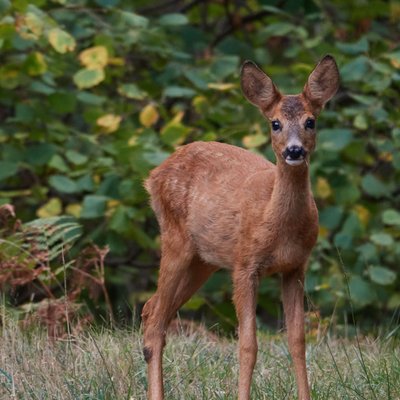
x,y
58,163
86,78
223,66
61,41
348,194
142,238
76,158
134,20
361,46
131,91
391,217
155,157
107,3
118,220
62,102
334,139
382,239
24,113
90,98
63,184
343,240
355,70
85,183
198,77
277,29
178,91
330,217
40,154
361,292
374,186
381,275
40,87
94,206
368,252
351,229
173,19
7,169
364,99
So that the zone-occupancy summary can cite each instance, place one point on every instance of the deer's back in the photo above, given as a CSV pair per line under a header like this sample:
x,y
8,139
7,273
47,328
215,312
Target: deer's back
x,y
202,187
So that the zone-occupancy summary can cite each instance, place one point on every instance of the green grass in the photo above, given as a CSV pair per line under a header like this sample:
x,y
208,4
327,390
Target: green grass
x,y
109,365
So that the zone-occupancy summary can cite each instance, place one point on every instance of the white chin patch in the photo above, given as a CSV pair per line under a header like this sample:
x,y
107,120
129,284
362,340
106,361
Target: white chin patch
x,y
294,162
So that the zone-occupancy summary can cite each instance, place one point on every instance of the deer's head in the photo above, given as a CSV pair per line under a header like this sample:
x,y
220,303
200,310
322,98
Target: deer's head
x,y
292,117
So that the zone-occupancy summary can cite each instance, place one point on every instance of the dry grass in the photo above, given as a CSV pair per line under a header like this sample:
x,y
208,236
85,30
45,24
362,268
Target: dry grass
x,y
109,365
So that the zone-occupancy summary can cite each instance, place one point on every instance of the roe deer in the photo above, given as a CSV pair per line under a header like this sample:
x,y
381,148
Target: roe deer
x,y
220,206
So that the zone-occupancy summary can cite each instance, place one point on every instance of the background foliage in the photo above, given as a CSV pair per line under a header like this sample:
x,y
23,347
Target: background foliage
x,y
94,94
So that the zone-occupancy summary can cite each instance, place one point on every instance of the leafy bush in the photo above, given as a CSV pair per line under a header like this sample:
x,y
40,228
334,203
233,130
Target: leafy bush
x,y
94,94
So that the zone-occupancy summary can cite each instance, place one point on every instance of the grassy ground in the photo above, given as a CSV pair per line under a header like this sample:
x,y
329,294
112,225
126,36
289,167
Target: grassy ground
x,y
109,365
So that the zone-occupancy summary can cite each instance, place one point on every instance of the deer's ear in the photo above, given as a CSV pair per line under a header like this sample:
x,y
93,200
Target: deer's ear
x,y
322,83
258,87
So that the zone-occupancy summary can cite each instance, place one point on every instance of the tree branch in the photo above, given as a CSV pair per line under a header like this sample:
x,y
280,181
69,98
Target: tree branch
x,y
244,21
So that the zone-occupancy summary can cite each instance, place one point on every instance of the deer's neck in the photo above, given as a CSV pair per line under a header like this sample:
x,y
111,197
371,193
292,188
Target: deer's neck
x,y
291,196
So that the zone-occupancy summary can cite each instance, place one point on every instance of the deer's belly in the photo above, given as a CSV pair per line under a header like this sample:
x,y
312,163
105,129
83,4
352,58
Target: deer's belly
x,y
215,241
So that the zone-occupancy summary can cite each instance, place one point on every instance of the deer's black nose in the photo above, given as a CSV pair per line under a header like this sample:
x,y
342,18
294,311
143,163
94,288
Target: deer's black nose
x,y
295,152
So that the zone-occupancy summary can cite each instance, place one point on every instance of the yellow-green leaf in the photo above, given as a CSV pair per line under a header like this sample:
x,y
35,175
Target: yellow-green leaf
x,y
109,123
86,78
148,116
252,141
52,208
200,104
35,64
94,57
74,209
363,214
174,133
221,86
323,189
61,41
31,26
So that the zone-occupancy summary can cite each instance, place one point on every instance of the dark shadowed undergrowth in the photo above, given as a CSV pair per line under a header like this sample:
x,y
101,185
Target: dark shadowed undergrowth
x,y
108,364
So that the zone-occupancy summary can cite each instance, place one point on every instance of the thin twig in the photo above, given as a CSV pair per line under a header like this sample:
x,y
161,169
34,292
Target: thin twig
x,y
244,21
157,8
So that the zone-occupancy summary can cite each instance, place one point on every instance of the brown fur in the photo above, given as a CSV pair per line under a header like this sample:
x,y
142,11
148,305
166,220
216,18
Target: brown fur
x,y
220,206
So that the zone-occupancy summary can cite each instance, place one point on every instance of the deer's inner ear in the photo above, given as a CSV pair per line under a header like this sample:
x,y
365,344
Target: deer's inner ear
x,y
258,87
322,83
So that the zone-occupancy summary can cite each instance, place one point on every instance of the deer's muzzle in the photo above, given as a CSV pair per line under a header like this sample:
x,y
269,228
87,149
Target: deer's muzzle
x,y
294,155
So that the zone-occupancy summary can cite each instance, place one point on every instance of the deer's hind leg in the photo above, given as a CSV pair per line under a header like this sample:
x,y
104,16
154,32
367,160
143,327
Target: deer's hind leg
x,y
181,274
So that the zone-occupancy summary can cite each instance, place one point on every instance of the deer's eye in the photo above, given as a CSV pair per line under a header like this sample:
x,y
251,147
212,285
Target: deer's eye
x,y
310,123
276,125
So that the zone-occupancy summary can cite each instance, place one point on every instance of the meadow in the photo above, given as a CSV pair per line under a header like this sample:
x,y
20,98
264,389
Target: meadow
x,y
108,364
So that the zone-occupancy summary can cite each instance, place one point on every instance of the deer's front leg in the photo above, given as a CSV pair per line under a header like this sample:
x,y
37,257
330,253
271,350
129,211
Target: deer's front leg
x,y
245,298
293,304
